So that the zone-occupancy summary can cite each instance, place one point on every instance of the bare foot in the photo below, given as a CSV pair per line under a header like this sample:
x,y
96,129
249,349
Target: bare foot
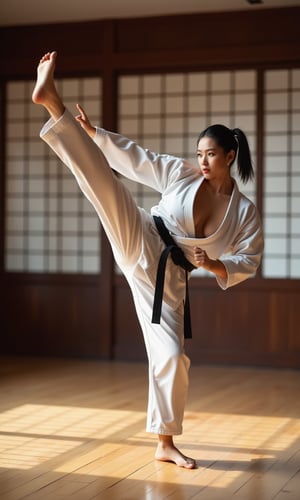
x,y
45,92
167,452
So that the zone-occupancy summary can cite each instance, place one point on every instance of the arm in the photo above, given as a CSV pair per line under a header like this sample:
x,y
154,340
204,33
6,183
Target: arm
x,y
134,162
244,256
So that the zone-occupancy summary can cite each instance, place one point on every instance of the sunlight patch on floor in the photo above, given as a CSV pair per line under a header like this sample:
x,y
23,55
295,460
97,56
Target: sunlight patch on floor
x,y
32,434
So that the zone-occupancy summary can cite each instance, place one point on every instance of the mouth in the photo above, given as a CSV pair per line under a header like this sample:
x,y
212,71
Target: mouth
x,y
205,171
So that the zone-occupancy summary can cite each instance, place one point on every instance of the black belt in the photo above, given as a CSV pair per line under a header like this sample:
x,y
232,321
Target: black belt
x,y
179,259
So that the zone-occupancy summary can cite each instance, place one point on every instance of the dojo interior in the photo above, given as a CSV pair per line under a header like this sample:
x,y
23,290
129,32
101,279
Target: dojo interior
x,y
73,371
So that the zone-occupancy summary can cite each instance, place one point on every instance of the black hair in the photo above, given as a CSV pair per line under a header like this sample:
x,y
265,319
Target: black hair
x,y
232,139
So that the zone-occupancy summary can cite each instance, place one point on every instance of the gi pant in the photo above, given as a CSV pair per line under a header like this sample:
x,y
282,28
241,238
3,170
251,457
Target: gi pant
x,y
136,246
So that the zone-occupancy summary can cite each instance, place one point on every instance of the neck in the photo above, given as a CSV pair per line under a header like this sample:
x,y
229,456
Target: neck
x,y
221,186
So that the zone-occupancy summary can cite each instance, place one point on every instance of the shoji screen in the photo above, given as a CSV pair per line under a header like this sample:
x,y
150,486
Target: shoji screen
x,y
50,226
282,174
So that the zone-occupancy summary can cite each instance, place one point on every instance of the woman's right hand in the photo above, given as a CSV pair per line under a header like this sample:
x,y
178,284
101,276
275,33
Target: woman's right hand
x,y
84,121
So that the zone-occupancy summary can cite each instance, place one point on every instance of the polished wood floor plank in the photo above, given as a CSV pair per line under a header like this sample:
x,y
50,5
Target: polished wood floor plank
x,y
75,429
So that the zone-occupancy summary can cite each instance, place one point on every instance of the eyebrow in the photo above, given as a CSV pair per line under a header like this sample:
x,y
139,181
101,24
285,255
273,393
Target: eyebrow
x,y
209,149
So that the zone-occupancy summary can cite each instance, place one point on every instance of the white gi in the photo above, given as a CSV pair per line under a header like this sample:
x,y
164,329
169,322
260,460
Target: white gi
x,y
137,246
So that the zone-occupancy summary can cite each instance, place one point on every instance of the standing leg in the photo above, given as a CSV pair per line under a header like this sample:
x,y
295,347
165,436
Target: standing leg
x,y
168,373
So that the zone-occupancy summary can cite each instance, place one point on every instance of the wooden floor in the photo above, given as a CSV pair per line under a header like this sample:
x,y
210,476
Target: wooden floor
x,y
75,429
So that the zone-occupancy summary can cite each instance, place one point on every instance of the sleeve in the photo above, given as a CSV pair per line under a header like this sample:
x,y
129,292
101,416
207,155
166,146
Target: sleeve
x,y
137,164
245,256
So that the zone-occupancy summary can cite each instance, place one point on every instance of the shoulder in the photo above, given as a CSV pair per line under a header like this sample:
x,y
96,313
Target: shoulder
x,y
246,208
242,199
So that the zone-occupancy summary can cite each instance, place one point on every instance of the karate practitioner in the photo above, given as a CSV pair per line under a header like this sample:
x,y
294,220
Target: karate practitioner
x,y
216,226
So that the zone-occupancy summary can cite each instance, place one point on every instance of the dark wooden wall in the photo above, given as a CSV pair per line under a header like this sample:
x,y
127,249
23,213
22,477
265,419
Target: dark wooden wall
x,y
92,316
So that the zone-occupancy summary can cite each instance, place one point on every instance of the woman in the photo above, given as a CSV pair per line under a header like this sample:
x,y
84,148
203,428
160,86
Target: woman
x,y
210,220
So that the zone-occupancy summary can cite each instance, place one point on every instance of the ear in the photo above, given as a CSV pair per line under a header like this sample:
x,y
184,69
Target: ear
x,y
230,157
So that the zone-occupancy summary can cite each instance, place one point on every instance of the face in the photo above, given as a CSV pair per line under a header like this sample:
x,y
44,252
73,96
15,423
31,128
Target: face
x,y
212,159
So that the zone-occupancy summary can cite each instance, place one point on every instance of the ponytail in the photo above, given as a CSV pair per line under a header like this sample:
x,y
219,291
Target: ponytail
x,y
243,156
236,140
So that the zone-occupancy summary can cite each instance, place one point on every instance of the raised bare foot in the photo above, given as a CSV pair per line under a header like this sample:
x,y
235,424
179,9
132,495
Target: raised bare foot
x,y
45,92
44,86
169,453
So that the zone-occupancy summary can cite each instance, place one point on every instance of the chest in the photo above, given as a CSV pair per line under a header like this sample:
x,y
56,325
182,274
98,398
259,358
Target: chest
x,y
209,211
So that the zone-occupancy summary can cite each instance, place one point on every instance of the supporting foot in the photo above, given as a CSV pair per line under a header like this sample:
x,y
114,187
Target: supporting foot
x,y
167,452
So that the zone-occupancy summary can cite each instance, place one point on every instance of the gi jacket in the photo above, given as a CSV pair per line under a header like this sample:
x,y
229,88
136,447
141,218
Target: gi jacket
x,y
237,242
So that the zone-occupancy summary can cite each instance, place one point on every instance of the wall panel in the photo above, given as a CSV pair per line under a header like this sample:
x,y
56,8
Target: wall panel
x,y
52,317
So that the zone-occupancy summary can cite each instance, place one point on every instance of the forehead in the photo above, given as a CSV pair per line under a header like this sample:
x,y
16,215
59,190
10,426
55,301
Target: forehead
x,y
207,143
